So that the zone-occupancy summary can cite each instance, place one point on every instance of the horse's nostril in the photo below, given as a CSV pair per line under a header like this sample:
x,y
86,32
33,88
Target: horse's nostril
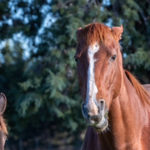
x,y
102,104
102,101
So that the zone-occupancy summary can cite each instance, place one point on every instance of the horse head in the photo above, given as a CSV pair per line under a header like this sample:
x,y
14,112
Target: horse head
x,y
99,66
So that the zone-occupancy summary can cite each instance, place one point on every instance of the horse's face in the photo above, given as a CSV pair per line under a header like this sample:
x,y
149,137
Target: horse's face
x,y
98,62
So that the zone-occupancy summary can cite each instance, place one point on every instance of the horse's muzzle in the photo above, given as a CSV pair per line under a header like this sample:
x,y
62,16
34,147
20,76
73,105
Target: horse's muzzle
x,y
98,120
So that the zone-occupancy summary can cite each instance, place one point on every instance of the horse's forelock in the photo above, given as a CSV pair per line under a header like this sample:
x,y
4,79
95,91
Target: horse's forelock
x,y
92,33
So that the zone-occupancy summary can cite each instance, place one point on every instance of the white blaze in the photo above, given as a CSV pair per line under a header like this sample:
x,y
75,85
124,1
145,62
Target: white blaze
x,y
91,85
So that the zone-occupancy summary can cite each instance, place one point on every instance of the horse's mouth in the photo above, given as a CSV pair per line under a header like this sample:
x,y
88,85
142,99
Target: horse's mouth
x,y
101,125
99,120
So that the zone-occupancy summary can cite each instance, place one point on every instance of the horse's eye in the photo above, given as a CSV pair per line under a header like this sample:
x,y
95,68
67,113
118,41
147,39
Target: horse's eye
x,y
113,57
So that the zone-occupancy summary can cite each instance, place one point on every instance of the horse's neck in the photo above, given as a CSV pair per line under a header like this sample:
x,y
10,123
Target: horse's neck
x,y
127,118
131,100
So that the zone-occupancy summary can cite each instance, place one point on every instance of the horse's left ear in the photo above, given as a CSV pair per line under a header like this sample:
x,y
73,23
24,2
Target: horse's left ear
x,y
117,32
3,103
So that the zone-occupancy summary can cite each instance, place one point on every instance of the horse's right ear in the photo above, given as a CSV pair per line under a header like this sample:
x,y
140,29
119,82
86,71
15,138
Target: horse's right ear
x,y
117,32
3,103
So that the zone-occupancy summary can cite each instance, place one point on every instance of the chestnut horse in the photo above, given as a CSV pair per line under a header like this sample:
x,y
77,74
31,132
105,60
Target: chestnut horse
x,y
3,128
116,106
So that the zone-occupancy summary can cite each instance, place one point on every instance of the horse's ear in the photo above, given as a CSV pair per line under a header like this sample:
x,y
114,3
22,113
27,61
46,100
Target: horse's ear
x,y
117,32
3,103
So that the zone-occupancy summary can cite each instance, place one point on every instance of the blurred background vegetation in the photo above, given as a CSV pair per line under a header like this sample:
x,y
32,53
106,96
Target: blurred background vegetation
x,y
38,71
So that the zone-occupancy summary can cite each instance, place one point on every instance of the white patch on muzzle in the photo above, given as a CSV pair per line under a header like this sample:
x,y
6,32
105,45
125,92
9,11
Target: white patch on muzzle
x,y
91,85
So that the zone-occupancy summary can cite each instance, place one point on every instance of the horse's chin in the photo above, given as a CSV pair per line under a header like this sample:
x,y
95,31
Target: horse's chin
x,y
101,127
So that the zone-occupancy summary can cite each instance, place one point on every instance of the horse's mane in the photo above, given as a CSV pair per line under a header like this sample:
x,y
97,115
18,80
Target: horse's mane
x,y
142,93
93,32
3,126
